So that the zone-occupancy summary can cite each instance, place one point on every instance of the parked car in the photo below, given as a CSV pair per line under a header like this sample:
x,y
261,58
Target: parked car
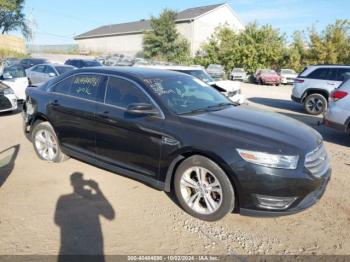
x,y
15,77
239,74
217,72
229,88
338,113
8,99
314,84
39,74
29,62
81,63
169,130
287,76
267,77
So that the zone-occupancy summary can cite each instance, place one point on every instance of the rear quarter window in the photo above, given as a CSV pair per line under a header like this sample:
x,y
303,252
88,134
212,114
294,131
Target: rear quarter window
x,y
323,74
63,87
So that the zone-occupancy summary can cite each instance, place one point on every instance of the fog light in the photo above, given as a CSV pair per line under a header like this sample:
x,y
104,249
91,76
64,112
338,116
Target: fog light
x,y
276,203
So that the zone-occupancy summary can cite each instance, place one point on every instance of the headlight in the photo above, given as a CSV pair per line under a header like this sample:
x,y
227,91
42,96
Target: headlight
x,y
269,160
8,91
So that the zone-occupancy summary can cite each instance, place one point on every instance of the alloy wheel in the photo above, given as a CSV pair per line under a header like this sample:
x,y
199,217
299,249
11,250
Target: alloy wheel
x,y
46,144
315,105
201,190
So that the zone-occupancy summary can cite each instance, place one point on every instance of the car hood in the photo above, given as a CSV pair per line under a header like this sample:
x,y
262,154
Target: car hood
x,y
260,130
227,85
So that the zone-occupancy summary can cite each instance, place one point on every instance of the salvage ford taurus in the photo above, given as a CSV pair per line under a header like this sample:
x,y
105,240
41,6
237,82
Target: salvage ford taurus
x,y
174,132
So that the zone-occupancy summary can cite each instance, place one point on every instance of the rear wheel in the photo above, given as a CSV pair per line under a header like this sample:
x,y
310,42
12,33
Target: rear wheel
x,y
203,189
46,144
315,104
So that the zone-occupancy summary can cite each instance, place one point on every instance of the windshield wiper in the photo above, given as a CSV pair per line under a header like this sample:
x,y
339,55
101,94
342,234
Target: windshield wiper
x,y
209,108
223,104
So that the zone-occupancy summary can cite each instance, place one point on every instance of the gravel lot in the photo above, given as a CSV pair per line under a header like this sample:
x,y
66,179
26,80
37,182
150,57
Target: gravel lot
x,y
132,218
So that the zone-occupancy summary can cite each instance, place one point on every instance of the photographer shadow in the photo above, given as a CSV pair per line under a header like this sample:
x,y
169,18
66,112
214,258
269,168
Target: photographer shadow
x,y
78,216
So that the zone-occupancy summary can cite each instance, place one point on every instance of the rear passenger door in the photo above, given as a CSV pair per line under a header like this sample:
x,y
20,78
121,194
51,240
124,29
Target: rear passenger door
x,y
72,112
123,140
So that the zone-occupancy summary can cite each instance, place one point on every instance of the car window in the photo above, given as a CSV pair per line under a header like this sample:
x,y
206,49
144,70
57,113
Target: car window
x,y
49,69
122,93
185,94
201,74
63,87
16,71
63,69
343,74
86,86
90,63
39,69
324,74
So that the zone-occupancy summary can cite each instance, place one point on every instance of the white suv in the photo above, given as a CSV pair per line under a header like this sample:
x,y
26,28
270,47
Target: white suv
x,y
314,84
338,114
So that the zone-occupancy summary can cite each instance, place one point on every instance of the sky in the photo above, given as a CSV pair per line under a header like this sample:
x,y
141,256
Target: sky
x,y
57,22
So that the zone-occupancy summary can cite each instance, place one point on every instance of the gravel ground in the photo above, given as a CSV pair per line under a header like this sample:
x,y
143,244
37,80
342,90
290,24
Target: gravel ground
x,y
40,214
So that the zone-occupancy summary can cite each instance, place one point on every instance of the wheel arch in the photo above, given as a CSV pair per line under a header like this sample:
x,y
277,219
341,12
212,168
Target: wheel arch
x,y
169,180
310,91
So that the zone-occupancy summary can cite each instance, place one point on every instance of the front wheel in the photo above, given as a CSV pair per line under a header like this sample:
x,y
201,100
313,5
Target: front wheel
x,y
203,189
315,104
46,144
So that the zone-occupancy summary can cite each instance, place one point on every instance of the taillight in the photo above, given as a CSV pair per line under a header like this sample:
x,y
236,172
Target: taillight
x,y
297,80
337,95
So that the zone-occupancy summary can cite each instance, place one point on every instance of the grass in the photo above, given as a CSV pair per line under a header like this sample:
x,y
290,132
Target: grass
x,y
10,53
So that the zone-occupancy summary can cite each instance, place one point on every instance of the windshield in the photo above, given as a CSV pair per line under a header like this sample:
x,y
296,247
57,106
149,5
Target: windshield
x,y
238,70
16,71
186,94
91,63
63,69
216,67
287,71
268,71
200,74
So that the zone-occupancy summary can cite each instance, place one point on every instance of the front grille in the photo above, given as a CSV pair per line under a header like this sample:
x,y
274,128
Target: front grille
x,y
5,103
317,161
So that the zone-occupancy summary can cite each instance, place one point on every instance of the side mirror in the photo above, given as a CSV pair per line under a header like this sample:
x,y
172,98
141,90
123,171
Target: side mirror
x,y
142,109
7,76
52,74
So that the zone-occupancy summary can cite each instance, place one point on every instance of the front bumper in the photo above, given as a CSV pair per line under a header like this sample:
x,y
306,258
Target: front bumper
x,y
8,103
300,185
305,203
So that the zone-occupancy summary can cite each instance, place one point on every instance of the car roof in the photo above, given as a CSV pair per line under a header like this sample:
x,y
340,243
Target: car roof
x,y
183,68
129,71
330,65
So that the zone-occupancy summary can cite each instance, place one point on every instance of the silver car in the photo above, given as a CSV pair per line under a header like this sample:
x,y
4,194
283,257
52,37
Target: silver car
x,y
338,113
40,74
239,74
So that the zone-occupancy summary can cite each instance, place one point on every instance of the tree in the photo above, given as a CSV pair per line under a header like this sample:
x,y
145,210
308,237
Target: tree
x,y
255,47
163,42
12,17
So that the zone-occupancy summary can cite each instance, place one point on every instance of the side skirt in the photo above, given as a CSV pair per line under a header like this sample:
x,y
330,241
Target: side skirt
x,y
115,169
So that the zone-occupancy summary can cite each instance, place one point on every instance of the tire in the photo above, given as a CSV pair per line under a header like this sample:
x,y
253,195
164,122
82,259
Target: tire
x,y
315,104
46,144
197,198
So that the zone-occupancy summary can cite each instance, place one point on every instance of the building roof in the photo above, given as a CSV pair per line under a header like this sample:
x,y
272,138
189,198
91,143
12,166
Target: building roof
x,y
142,25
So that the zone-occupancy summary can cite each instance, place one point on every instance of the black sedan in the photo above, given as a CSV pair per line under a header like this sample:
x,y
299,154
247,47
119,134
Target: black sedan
x,y
176,133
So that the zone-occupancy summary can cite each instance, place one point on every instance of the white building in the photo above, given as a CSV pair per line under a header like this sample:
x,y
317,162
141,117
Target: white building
x,y
195,24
